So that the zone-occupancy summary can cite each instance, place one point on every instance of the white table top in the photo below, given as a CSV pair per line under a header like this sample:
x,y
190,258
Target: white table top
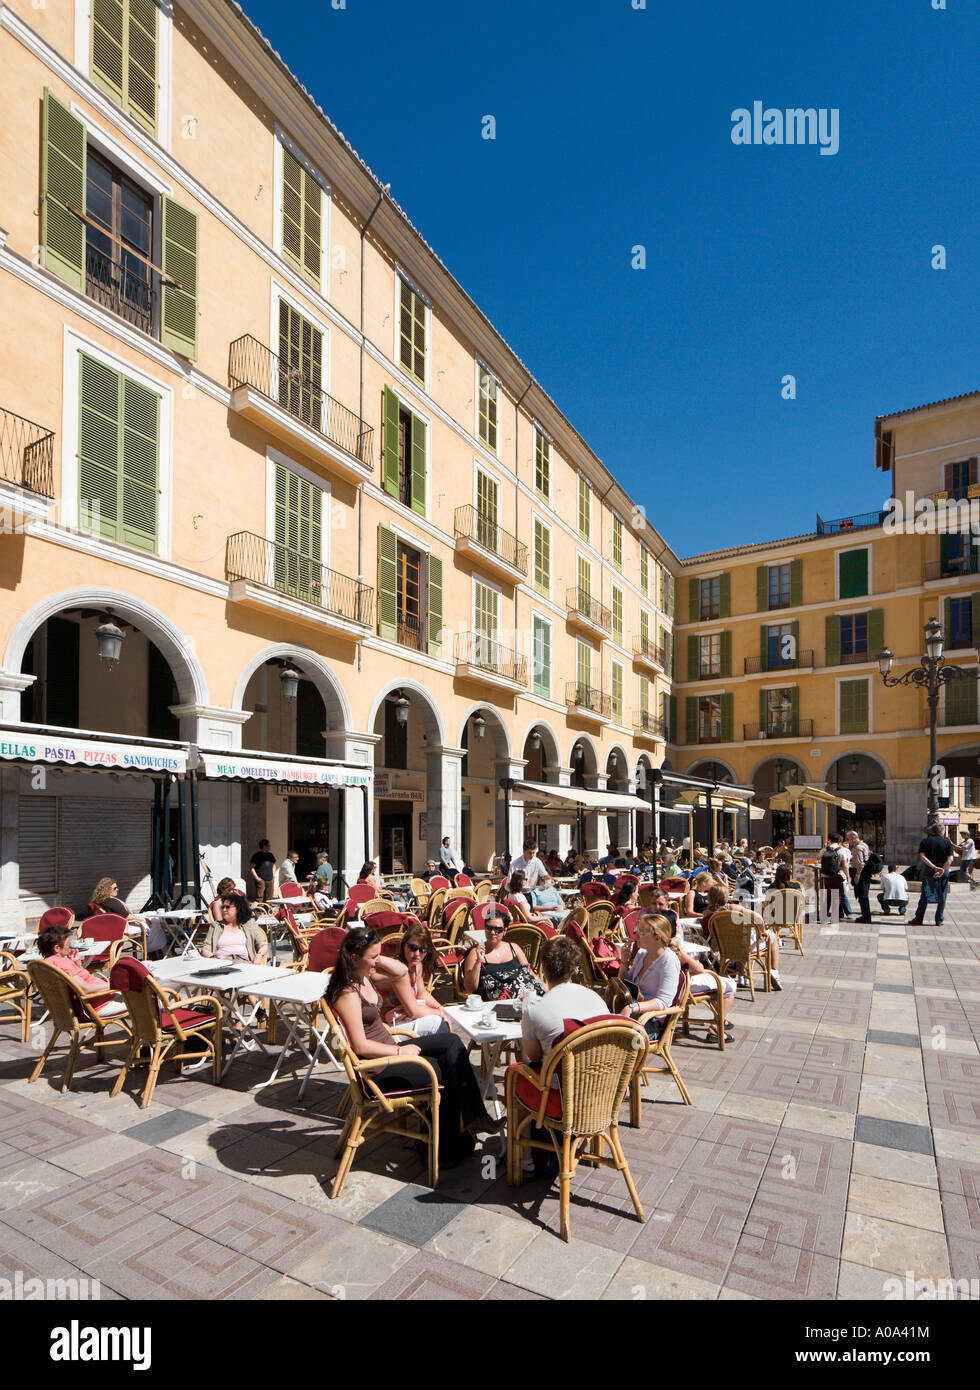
x,y
299,987
290,902
469,1022
238,976
176,914
476,937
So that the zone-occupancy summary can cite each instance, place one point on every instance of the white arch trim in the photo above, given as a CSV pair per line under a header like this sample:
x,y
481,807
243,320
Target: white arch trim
x,y
311,665
495,721
787,760
192,686
548,736
617,748
587,741
693,769
431,714
859,753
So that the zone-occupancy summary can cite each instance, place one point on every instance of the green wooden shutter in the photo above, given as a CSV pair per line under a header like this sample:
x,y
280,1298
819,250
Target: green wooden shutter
x,y
961,701
100,417
418,478
390,447
796,583
670,649
853,573
123,55
691,719
764,647
63,147
975,618
693,663
298,536
140,445
726,653
763,711
644,629
302,218
178,311
387,584
795,713
876,632
832,639
795,633
108,39
762,587
616,692
694,591
671,731
725,595
727,716
854,707
300,366
542,658
435,605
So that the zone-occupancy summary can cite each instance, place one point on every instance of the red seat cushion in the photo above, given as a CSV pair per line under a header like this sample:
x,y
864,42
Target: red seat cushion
x,y
187,1018
450,958
530,1095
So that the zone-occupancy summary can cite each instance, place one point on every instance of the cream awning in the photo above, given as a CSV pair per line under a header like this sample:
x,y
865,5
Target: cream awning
x,y
294,773
542,796
721,801
37,744
791,796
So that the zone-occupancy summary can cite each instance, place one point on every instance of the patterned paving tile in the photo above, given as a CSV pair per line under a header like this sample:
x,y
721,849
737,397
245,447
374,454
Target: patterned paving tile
x,y
170,1261
783,1216
267,1228
428,1278
828,1087
83,1222
698,1232
766,1269
954,1105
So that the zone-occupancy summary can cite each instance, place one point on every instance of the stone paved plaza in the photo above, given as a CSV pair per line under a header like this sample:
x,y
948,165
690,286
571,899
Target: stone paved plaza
x,y
833,1147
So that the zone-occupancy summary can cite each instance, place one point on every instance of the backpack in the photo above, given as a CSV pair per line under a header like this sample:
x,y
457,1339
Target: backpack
x,y
875,862
830,863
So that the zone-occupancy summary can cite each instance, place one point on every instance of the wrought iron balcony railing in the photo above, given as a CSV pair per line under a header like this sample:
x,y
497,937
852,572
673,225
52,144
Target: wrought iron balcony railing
x,y
477,649
952,567
801,728
581,604
859,522
26,453
646,723
121,291
470,523
260,561
856,658
650,651
252,364
580,695
757,665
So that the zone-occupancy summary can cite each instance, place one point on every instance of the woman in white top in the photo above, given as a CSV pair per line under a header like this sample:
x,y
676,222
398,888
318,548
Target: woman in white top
x,y
543,1022
654,976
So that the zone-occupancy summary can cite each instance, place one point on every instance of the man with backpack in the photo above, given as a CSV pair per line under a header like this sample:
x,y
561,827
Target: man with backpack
x,y
832,863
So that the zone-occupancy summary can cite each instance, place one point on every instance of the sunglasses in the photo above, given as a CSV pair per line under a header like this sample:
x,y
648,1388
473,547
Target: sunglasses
x,y
415,946
496,927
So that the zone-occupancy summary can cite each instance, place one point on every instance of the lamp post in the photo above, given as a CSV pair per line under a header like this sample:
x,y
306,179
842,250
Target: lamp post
x,y
931,673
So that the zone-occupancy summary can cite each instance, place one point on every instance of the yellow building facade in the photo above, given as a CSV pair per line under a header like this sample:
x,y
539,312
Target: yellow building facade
x,y
362,567
776,671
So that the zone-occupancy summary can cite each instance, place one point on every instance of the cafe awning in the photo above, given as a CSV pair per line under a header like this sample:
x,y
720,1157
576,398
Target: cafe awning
x,y
789,797
721,802
36,743
542,796
293,774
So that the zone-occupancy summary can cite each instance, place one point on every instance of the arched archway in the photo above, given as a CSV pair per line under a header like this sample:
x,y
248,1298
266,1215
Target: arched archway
x,y
773,774
541,752
860,777
483,733
419,792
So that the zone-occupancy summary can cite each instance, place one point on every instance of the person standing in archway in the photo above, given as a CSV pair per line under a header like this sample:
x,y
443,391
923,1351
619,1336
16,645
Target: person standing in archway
x,y
262,866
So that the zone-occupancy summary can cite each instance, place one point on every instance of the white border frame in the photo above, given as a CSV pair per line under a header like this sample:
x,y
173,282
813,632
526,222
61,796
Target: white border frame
x,y
326,205
165,44
74,344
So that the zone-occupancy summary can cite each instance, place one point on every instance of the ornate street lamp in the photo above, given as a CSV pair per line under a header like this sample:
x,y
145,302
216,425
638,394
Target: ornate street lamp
x,y
479,725
290,678
110,640
931,673
401,709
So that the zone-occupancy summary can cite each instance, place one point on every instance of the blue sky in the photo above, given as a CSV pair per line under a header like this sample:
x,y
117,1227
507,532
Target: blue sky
x,y
614,130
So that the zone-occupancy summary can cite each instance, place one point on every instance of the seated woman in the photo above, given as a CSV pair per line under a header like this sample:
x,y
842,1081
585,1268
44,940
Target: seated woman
x,y
515,891
696,898
52,942
718,899
498,970
225,885
543,1019
783,878
369,874
411,1002
353,997
653,977
105,898
548,901
235,937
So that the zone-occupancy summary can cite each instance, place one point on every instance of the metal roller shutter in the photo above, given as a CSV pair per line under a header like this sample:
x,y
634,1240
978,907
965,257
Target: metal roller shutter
x,y
97,836
37,840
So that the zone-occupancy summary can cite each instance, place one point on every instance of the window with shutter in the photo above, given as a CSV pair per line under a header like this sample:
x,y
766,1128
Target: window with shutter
x,y
434,591
644,697
412,331
617,542
616,671
961,700
302,219
387,584
542,466
644,571
584,570
583,671
298,537
542,558
123,55
584,509
710,599
644,631
486,623
617,615
488,408
300,366
179,293
854,707
853,573
119,425
541,677
486,511
63,175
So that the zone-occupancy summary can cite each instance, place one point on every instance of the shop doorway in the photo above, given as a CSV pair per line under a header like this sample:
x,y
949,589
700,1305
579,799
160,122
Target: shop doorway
x,y
396,837
309,832
868,821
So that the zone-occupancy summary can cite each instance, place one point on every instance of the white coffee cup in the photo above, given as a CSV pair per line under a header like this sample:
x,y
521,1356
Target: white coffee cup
x,y
474,1002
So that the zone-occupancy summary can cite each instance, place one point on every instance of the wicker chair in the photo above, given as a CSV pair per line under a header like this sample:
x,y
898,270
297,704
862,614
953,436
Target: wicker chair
x,y
732,936
714,1002
15,986
373,905
450,948
163,1022
369,1107
595,1065
420,892
661,1048
784,909
601,914
72,1014
484,890
299,937
530,939
433,914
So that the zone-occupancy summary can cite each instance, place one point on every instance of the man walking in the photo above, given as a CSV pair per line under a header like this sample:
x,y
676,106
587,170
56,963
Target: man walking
x,y
832,864
936,853
860,871
263,869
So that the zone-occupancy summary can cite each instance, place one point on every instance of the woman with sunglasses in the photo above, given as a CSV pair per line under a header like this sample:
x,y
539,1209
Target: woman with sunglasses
x,y
413,1004
235,936
353,996
498,969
